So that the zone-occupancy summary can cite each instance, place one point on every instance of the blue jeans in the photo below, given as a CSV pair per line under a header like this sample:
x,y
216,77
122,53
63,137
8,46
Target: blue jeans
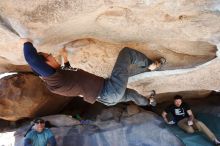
x,y
115,88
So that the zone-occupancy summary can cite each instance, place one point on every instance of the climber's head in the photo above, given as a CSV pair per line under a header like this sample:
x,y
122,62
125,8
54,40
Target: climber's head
x,y
49,59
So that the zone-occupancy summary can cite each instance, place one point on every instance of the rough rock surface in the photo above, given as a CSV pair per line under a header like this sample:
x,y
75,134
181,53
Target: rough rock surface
x,y
184,32
128,131
25,95
140,128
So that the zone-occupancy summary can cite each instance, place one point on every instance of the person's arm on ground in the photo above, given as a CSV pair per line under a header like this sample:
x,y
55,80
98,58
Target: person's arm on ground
x,y
164,115
52,141
190,113
27,142
34,60
191,116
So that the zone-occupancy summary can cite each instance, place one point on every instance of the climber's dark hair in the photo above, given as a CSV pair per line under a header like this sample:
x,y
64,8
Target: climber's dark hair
x,y
178,97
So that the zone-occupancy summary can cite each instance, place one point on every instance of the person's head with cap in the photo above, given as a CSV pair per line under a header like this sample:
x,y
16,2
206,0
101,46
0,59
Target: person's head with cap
x,y
178,100
39,124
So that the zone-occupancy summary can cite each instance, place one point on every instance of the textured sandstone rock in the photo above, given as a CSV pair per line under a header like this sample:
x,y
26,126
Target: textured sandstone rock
x,y
204,77
200,94
184,32
26,96
61,120
51,23
111,130
132,109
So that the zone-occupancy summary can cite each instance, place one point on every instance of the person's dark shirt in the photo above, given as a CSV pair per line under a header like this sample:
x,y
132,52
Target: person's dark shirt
x,y
65,81
178,113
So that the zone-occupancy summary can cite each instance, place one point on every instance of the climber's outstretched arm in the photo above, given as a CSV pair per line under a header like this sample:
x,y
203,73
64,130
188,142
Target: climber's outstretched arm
x,y
36,61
